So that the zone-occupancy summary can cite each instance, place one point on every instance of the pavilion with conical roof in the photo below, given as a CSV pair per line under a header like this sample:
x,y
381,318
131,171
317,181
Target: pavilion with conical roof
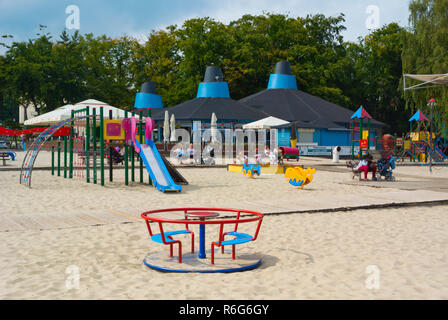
x,y
318,121
213,96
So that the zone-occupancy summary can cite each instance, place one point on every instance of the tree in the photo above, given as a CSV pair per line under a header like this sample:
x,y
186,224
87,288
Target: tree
x,y
378,70
426,51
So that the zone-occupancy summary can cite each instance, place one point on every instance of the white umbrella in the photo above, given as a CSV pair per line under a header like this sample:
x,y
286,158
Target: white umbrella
x,y
265,123
213,127
173,128
166,128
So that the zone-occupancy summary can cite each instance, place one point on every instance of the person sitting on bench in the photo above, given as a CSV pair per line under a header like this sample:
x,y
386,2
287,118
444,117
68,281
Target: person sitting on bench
x,y
366,165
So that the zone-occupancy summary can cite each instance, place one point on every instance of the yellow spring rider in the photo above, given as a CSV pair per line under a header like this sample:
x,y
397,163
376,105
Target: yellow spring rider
x,y
299,177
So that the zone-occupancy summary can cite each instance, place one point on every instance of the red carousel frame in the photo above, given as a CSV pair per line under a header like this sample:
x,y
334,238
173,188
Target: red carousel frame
x,y
239,238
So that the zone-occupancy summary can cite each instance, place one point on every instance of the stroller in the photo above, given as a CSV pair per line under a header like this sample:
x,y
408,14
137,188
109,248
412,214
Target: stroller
x,y
117,157
385,167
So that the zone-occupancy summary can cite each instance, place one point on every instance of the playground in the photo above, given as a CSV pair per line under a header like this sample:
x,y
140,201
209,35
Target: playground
x,y
327,240
104,182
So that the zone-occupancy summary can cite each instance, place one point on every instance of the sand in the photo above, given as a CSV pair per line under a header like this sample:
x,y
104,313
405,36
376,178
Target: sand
x,y
305,256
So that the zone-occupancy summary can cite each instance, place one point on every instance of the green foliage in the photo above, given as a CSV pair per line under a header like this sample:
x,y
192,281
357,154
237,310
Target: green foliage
x,y
50,73
426,52
377,64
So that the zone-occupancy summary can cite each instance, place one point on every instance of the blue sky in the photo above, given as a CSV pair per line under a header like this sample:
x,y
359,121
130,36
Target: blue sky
x,y
21,18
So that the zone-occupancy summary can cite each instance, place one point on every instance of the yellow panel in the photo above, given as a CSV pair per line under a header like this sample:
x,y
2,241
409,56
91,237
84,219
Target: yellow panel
x,y
365,134
407,145
137,137
113,130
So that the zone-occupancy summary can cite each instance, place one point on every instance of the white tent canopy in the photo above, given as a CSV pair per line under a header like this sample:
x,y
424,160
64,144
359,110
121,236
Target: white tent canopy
x,y
428,80
64,113
265,123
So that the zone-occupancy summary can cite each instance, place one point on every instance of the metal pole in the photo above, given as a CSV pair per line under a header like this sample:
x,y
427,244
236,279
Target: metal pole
x,y
70,174
368,135
101,146
430,136
395,143
65,157
111,168
132,155
59,158
140,131
126,158
52,160
94,145
149,115
360,137
87,157
353,140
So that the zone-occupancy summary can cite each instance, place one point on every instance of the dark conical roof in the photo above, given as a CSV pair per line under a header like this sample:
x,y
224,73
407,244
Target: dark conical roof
x,y
283,67
283,100
148,87
307,110
203,108
213,74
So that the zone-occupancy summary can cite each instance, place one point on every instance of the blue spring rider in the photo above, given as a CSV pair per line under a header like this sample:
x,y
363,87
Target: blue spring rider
x,y
251,169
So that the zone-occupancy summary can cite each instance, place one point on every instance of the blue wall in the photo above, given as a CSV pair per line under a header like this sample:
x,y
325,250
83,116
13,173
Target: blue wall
x,y
284,137
334,138
322,137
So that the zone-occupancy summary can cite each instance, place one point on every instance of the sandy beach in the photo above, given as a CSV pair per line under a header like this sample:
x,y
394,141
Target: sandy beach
x,y
323,255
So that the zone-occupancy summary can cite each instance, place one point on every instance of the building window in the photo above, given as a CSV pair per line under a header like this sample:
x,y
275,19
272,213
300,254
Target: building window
x,y
306,135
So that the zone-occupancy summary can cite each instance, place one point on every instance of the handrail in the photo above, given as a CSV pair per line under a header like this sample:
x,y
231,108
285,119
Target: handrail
x,y
147,217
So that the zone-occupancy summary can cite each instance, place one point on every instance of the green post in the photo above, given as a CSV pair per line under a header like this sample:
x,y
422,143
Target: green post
x,y
126,158
360,137
395,143
72,132
65,157
140,134
94,144
149,177
52,160
59,158
353,140
101,146
412,145
368,135
87,145
132,165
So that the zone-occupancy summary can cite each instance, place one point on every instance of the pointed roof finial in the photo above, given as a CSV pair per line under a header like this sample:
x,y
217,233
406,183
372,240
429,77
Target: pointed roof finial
x,y
213,74
283,67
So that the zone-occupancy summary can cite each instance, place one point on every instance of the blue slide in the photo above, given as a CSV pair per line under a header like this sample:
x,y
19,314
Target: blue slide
x,y
157,170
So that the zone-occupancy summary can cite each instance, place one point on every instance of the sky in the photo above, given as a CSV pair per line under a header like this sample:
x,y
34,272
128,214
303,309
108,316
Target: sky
x,y
21,18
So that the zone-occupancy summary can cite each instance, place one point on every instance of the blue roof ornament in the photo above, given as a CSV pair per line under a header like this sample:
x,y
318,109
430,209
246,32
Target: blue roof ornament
x,y
213,85
147,97
282,78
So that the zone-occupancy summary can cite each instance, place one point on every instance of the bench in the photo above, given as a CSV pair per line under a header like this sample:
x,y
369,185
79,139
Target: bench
x,y
290,153
355,173
7,156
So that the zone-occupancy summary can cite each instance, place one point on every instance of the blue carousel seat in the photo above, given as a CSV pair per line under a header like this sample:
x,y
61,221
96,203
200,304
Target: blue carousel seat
x,y
158,237
239,238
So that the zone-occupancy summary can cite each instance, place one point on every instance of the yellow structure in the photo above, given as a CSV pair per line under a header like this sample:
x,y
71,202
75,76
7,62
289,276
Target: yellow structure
x,y
299,177
293,143
265,169
113,130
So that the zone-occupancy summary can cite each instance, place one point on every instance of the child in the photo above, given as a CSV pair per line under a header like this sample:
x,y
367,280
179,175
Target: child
x,y
366,165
